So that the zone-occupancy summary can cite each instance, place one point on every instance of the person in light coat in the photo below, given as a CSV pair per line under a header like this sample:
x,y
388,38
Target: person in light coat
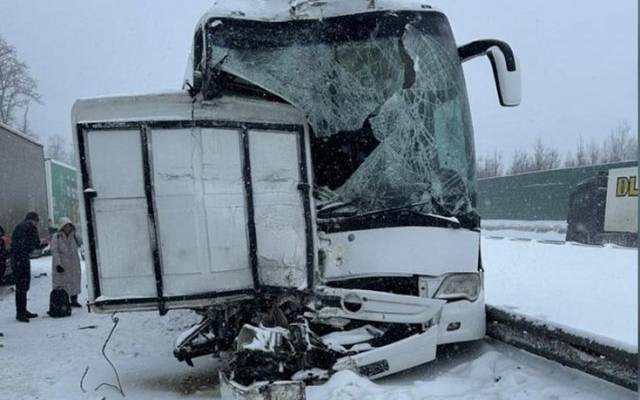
x,y
65,260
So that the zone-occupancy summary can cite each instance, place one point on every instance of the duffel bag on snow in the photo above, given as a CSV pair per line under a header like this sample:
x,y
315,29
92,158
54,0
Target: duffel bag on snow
x,y
59,303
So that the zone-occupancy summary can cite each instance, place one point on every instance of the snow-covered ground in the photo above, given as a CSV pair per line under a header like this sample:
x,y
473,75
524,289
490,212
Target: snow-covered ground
x,y
480,371
591,290
46,359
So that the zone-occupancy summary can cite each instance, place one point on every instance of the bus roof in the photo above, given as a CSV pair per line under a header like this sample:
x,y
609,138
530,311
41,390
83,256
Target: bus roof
x,y
287,10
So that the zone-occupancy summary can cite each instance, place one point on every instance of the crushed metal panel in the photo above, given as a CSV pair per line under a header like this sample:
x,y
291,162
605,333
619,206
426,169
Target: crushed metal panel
x,y
279,390
395,357
279,208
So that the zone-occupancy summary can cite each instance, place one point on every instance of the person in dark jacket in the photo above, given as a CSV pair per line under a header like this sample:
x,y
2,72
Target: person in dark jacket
x,y
24,240
4,254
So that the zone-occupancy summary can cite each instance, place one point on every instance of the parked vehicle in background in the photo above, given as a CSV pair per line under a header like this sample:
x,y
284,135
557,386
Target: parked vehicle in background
x,y
22,179
62,191
604,208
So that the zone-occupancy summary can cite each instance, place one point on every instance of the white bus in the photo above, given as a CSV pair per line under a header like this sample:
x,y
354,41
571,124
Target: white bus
x,y
311,191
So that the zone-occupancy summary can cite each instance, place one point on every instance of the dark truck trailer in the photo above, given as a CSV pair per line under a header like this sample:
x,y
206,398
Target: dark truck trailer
x,y
604,208
22,179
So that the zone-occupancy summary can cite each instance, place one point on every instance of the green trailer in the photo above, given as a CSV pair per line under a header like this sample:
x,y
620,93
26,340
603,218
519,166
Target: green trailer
x,y
535,196
62,191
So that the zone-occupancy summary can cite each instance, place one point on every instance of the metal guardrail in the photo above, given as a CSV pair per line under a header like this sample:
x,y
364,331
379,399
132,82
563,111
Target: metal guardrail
x,y
603,361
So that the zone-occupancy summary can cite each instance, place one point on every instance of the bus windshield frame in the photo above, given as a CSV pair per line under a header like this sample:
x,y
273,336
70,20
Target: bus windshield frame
x,y
385,97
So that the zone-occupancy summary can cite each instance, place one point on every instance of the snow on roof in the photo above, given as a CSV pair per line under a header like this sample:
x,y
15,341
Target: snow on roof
x,y
20,134
286,10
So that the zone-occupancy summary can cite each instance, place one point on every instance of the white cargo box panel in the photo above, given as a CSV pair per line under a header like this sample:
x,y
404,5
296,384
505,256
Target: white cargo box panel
x,y
185,211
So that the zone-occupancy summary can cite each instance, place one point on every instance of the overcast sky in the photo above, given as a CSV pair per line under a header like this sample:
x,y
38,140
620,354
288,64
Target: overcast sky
x,y
578,59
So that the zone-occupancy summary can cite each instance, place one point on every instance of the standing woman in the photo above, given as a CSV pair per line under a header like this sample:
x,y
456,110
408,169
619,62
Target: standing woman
x,y
66,261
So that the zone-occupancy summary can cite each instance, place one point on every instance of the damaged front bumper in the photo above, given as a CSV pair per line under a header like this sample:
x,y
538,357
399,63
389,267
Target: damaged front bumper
x,y
375,334
370,305
395,357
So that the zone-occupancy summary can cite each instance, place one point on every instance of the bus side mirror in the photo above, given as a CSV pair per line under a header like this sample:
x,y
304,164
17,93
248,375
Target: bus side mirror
x,y
506,70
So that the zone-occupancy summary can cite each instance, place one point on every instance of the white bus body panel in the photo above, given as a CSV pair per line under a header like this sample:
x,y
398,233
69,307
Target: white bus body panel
x,y
402,251
412,251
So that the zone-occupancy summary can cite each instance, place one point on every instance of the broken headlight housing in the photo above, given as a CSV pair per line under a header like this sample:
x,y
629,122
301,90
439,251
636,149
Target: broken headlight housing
x,y
460,286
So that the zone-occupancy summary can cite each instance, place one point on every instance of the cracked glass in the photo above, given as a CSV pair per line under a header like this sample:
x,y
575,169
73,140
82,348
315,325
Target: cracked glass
x,y
384,95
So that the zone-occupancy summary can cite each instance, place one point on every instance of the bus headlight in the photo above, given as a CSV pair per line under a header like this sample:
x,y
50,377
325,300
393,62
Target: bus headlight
x,y
460,286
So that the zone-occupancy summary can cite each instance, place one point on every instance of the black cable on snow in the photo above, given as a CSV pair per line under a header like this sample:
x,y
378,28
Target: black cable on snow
x,y
117,387
84,374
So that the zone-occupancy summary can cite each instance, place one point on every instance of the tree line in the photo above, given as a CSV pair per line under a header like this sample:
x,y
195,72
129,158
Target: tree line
x,y
18,90
619,145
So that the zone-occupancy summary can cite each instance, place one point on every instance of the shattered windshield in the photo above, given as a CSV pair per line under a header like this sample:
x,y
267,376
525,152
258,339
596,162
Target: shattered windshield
x,y
383,93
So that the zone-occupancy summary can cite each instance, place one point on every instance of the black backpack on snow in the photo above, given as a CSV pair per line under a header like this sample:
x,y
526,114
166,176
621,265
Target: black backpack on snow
x,y
59,303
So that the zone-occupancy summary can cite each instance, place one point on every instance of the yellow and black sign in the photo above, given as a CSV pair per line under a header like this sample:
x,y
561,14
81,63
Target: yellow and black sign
x,y
621,209
627,186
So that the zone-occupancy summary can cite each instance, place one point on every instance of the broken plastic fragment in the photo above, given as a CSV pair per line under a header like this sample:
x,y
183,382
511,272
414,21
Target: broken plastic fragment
x,y
260,338
358,335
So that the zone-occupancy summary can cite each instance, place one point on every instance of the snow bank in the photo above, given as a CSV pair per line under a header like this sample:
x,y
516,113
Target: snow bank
x,y
535,230
529,226
588,290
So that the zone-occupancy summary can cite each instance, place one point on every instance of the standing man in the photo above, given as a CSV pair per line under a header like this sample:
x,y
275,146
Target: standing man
x,y
4,254
25,239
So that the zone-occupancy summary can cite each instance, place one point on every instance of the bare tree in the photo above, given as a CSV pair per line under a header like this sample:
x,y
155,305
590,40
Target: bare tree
x,y
541,158
60,149
26,126
552,159
521,163
17,88
581,153
594,152
619,145
489,166
570,161
544,157
631,152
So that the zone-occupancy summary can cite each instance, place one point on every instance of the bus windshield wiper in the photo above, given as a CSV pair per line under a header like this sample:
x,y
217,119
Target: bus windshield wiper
x,y
452,220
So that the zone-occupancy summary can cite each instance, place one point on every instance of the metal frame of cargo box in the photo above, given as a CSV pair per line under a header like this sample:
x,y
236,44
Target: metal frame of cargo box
x,y
143,127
